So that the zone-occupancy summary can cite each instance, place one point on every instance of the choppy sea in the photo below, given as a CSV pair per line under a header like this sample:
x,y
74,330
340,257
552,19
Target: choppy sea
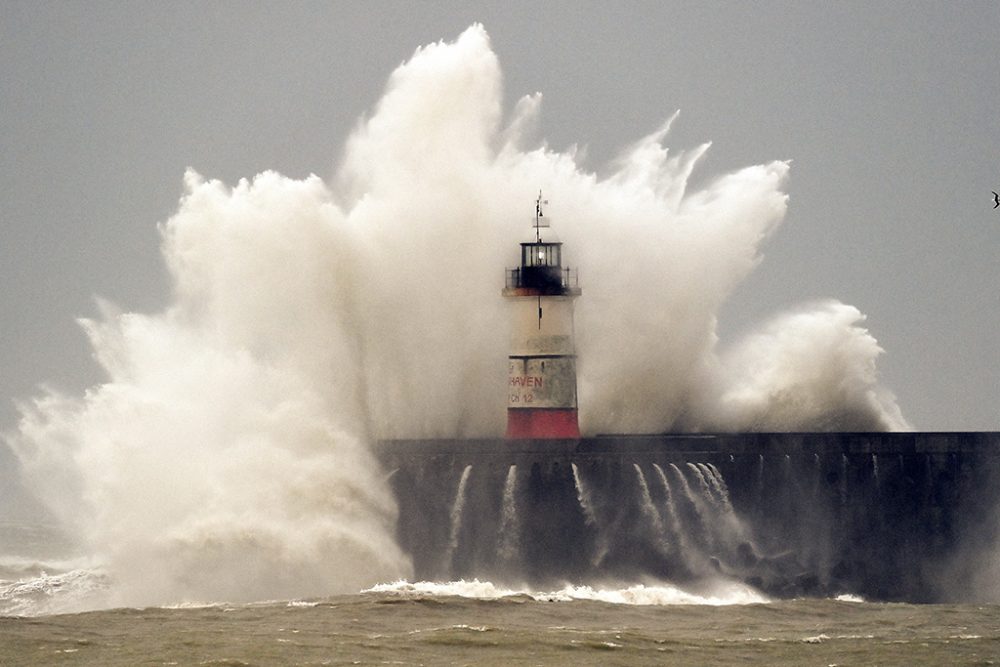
x,y
51,613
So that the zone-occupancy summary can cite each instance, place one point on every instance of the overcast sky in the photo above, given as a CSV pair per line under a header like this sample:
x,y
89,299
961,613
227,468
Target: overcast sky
x,y
890,113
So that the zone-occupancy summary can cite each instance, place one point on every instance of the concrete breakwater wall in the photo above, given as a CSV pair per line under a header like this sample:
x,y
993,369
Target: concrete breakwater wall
x,y
888,516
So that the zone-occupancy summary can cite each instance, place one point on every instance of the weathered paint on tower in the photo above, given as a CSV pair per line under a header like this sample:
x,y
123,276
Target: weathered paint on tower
x,y
541,370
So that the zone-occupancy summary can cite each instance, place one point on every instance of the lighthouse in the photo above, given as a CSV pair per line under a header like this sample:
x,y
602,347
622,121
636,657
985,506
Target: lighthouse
x,y
541,375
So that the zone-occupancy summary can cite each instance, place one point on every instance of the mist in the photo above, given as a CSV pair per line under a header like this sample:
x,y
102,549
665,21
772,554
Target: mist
x,y
228,452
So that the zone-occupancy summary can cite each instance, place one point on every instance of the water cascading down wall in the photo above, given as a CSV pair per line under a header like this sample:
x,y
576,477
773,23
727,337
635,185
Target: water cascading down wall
x,y
888,516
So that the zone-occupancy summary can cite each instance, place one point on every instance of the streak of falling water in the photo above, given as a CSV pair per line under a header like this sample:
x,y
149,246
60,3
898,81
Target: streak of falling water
x,y
760,476
583,497
671,510
706,490
708,497
818,473
875,470
728,524
699,506
586,504
649,509
708,484
675,522
510,528
720,486
456,519
843,480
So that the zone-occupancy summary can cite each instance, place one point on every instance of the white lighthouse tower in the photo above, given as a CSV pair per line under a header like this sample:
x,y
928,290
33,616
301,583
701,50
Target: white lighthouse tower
x,y
541,375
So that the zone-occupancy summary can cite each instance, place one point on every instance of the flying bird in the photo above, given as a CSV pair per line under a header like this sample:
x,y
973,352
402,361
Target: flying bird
x,y
996,199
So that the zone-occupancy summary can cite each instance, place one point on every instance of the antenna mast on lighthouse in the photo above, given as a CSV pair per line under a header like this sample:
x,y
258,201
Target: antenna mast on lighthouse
x,y
541,377
539,223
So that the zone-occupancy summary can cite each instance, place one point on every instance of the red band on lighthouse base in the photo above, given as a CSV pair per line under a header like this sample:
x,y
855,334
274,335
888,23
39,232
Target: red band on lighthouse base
x,y
538,424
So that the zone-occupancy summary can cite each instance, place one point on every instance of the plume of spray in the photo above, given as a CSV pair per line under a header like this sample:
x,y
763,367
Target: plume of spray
x,y
809,370
225,457
227,454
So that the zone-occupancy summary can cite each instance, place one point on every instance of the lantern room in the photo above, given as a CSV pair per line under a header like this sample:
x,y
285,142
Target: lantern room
x,y
541,254
541,266
541,270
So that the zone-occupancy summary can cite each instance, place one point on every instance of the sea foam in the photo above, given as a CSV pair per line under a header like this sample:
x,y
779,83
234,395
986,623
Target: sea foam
x,y
720,593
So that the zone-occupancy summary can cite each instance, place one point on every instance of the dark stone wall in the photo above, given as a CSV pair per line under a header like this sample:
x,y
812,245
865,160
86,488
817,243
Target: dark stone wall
x,y
888,516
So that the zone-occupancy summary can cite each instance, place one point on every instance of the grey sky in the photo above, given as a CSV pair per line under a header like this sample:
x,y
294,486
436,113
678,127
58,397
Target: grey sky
x,y
889,112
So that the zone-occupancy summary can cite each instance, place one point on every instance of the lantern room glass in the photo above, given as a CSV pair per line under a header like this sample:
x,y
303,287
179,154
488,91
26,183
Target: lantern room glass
x,y
541,254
